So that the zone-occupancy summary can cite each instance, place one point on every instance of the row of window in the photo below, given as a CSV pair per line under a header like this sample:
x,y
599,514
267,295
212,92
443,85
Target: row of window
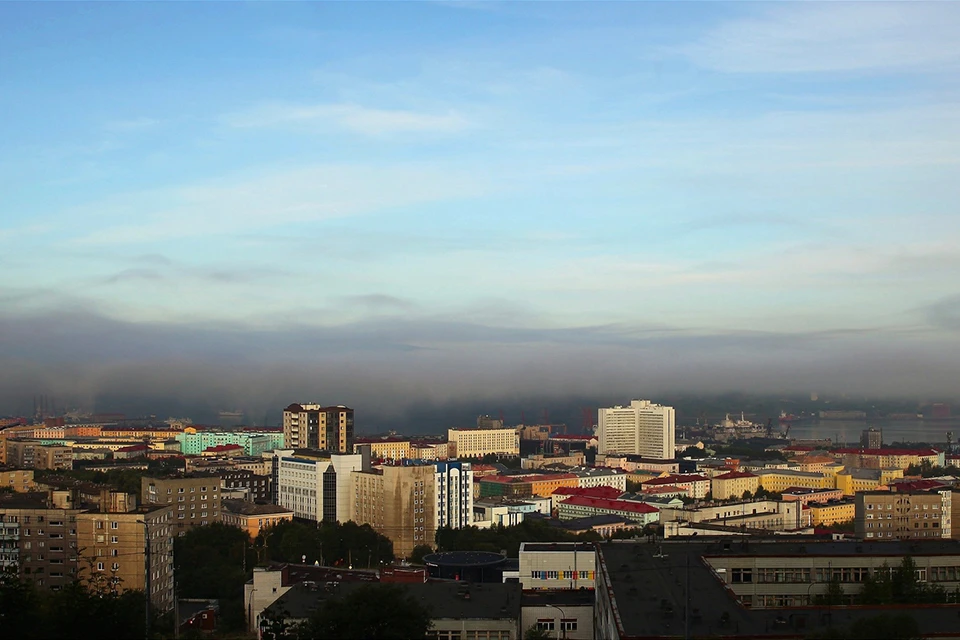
x,y
556,575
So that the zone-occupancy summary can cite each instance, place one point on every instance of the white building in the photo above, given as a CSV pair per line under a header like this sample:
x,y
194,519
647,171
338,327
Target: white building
x,y
318,488
601,477
476,443
643,428
557,565
454,490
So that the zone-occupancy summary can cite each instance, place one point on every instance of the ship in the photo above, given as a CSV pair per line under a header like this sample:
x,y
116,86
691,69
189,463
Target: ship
x,y
787,418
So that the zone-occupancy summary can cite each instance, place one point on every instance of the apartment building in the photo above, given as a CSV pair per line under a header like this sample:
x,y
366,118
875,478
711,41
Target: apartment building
x,y
193,442
317,485
194,498
257,487
899,516
252,517
454,494
695,485
852,481
313,426
805,495
385,448
588,477
585,506
113,545
32,454
557,565
20,480
733,484
38,539
398,501
824,514
778,480
643,428
477,443
526,485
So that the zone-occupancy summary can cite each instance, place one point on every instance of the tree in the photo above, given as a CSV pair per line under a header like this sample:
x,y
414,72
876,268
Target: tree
x,y
416,556
900,586
747,495
373,611
834,595
694,453
536,633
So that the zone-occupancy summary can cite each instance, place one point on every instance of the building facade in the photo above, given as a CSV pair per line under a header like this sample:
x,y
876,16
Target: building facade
x,y
398,501
194,499
317,485
898,516
313,426
38,540
252,517
476,443
113,547
454,494
557,565
643,428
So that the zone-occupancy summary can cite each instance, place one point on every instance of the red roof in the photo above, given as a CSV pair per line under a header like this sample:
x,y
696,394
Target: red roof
x,y
916,485
610,505
677,479
591,492
733,475
223,447
665,488
887,452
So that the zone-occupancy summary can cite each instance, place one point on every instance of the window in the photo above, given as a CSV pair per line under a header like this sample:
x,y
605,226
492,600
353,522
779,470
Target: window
x,y
743,575
115,566
114,552
99,566
114,525
545,624
568,624
114,539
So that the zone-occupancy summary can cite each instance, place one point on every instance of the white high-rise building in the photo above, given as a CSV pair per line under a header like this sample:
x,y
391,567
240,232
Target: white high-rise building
x,y
643,428
454,494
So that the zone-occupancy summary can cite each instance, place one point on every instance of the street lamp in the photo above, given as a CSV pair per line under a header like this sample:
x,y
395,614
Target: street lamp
x,y
560,625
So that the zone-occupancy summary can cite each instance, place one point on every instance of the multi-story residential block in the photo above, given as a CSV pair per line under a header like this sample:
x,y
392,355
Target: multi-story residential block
x,y
317,485
477,443
20,480
252,517
113,544
526,485
194,499
34,454
38,539
806,495
585,506
871,438
398,501
888,458
454,494
853,481
588,477
557,565
430,450
733,484
313,426
385,448
643,428
778,480
695,485
832,512
257,488
899,516
194,442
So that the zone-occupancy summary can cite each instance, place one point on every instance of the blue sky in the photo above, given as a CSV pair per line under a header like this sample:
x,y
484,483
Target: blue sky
x,y
534,172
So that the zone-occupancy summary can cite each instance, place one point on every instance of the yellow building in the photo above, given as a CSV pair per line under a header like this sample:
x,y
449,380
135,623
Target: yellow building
x,y
476,443
545,485
252,517
853,481
20,480
111,547
776,480
398,502
733,484
389,449
828,513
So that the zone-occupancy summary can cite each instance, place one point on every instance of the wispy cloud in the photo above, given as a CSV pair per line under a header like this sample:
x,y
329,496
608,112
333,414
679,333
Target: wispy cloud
x,y
358,119
134,124
835,36
243,203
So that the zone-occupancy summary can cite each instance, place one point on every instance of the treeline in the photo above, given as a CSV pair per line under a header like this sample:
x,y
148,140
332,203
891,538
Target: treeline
x,y
890,585
500,538
31,613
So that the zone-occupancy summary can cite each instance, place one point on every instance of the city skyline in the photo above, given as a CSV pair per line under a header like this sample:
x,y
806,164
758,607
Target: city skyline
x,y
388,204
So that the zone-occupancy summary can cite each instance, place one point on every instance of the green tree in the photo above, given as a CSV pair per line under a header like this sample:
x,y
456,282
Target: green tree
x,y
19,606
373,611
536,633
900,586
834,595
214,562
419,551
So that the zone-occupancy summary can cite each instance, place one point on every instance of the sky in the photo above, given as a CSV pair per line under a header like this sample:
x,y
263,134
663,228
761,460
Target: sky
x,y
242,205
